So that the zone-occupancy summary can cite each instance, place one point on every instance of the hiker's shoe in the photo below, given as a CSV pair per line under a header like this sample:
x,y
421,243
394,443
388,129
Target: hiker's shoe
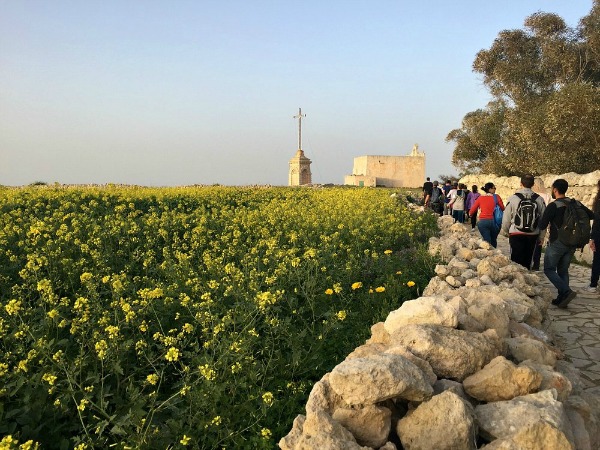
x,y
556,301
566,299
591,289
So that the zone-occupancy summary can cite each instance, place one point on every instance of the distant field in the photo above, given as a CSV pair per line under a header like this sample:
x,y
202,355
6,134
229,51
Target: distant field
x,y
189,317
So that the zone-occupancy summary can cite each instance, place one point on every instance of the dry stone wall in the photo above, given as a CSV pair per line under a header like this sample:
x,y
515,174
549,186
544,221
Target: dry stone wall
x,y
465,366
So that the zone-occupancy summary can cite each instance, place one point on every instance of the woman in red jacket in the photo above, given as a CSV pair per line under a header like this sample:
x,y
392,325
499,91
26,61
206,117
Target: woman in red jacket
x,y
486,204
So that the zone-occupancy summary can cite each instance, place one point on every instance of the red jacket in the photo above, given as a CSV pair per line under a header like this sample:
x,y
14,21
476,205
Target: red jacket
x,y
486,203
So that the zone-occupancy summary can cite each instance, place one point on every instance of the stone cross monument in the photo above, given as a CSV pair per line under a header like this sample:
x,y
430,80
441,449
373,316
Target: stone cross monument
x,y
300,165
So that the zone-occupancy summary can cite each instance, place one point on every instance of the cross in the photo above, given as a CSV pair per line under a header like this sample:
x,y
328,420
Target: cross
x,y
299,117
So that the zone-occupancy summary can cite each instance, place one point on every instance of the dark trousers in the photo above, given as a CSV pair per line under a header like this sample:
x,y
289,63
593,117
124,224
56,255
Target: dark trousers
x,y
556,265
595,268
537,256
522,247
474,220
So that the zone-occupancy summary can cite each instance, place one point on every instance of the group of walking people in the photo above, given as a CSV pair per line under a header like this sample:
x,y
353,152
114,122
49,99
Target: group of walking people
x,y
530,219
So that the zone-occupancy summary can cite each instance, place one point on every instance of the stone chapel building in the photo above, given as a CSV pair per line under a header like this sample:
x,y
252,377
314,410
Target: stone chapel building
x,y
389,171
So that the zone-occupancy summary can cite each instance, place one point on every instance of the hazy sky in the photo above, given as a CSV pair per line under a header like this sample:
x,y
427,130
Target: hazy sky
x,y
200,92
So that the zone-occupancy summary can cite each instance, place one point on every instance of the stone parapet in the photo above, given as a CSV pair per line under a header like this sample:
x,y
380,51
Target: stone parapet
x,y
465,366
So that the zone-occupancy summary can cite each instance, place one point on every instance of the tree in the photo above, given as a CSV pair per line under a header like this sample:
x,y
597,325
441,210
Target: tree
x,y
545,116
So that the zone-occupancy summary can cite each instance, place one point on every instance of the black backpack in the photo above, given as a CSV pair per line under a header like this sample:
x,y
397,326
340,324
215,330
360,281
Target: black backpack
x,y
436,195
576,227
528,213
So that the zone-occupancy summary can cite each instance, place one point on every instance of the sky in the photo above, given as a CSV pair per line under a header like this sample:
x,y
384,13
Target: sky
x,y
178,92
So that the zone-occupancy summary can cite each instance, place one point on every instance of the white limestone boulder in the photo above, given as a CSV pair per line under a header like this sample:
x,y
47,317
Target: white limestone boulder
x,y
370,380
500,379
423,310
540,435
503,419
522,348
369,425
445,422
551,379
453,354
319,430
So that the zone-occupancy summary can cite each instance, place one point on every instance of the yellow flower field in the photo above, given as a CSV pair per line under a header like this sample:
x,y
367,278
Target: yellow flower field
x,y
188,317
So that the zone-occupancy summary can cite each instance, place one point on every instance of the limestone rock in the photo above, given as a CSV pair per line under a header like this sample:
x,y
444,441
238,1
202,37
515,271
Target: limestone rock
x,y
425,367
473,283
367,350
551,379
389,446
581,437
318,430
323,398
442,271
523,330
485,312
452,386
502,419
487,280
453,354
501,380
524,348
455,281
435,287
465,253
572,374
585,420
362,381
378,334
433,310
538,436
370,425
444,422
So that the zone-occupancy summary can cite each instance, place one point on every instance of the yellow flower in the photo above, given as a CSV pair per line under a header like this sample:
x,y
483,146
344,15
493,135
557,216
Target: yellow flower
x,y
341,315
86,276
185,440
82,404
235,368
172,354
13,307
3,369
410,283
101,347
81,446
152,379
388,252
399,272
380,289
328,291
52,313
337,288
208,373
356,285
49,378
29,445
265,433
22,366
112,330
267,398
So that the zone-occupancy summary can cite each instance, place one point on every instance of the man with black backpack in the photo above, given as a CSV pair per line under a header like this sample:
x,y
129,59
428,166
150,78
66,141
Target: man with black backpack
x,y
437,199
520,222
570,227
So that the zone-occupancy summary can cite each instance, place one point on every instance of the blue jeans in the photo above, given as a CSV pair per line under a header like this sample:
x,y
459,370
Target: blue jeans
x,y
488,231
459,216
556,265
